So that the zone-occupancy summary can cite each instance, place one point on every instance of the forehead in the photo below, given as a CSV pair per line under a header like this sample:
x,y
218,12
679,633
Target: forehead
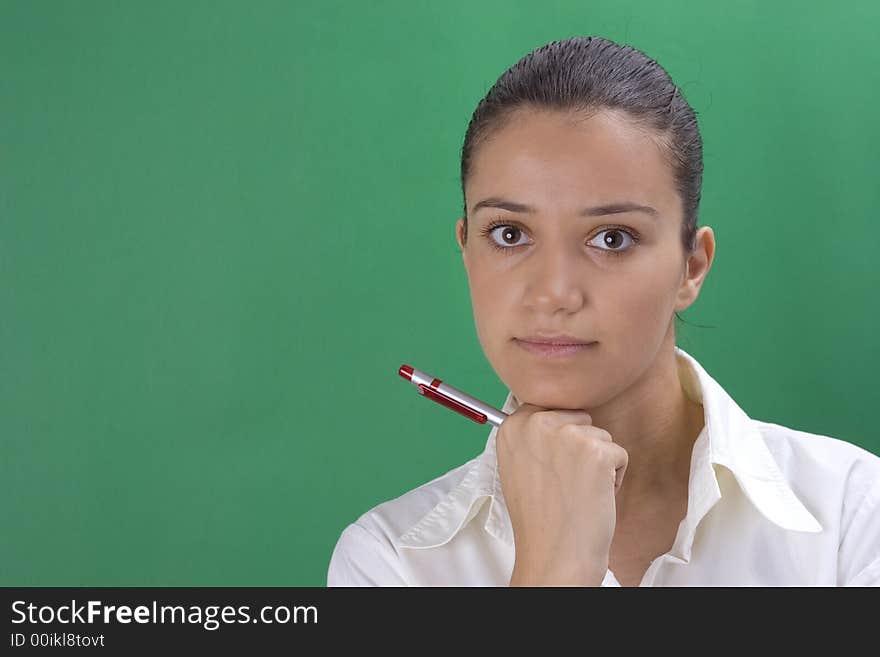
x,y
560,160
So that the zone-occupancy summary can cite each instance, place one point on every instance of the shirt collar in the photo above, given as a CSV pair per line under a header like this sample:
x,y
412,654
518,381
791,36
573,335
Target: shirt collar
x,y
729,438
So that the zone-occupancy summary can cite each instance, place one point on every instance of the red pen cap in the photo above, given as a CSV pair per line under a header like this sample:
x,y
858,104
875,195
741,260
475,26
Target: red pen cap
x,y
406,372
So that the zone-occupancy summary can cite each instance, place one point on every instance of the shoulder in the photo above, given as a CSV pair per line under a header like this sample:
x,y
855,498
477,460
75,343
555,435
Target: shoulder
x,y
841,481
366,551
392,518
819,457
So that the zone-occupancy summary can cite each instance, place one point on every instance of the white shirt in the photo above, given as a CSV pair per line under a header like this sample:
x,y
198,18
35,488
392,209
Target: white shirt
x,y
767,506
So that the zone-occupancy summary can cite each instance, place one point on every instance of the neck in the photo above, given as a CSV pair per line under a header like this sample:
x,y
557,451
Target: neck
x,y
657,424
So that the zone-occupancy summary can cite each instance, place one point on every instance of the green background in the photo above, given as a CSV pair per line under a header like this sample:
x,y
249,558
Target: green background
x,y
223,226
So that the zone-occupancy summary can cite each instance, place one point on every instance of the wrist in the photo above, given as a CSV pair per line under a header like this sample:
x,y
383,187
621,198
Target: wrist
x,y
578,575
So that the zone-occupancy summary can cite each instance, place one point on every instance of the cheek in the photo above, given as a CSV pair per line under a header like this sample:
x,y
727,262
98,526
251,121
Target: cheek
x,y
492,302
636,306
648,307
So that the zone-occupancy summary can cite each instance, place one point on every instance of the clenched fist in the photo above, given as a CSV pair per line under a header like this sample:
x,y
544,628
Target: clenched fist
x,y
559,475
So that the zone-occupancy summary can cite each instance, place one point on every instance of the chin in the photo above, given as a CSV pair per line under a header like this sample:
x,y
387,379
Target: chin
x,y
555,396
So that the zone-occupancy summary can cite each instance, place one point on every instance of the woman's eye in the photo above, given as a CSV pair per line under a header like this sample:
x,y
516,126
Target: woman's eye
x,y
508,236
615,239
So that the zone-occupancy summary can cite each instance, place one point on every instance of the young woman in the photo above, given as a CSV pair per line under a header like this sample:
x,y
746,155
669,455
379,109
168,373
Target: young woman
x,y
623,462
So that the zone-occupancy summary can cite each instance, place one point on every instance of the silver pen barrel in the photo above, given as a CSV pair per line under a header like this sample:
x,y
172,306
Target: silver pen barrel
x,y
493,415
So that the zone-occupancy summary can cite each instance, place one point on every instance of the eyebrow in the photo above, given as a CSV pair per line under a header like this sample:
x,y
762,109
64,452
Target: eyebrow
x,y
596,211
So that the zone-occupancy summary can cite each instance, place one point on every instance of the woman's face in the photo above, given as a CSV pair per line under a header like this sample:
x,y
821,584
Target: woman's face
x,y
560,263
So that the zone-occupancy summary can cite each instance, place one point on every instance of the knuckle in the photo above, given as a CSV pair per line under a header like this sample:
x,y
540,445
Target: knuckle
x,y
541,421
590,448
571,431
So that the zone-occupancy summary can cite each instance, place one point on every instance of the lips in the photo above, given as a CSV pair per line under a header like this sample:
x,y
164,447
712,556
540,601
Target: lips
x,y
556,339
555,349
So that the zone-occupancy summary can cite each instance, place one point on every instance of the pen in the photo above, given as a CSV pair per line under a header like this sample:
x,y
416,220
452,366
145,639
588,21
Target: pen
x,y
452,398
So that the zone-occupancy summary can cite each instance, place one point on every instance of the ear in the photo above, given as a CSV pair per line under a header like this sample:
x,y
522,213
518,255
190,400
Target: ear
x,y
696,268
460,233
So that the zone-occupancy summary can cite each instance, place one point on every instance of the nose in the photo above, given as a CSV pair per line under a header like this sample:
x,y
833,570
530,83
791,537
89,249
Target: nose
x,y
555,281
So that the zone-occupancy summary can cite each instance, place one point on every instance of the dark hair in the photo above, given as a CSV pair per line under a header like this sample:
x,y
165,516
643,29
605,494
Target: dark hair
x,y
588,74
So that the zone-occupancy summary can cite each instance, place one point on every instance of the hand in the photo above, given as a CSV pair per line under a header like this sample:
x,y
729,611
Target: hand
x,y
559,475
